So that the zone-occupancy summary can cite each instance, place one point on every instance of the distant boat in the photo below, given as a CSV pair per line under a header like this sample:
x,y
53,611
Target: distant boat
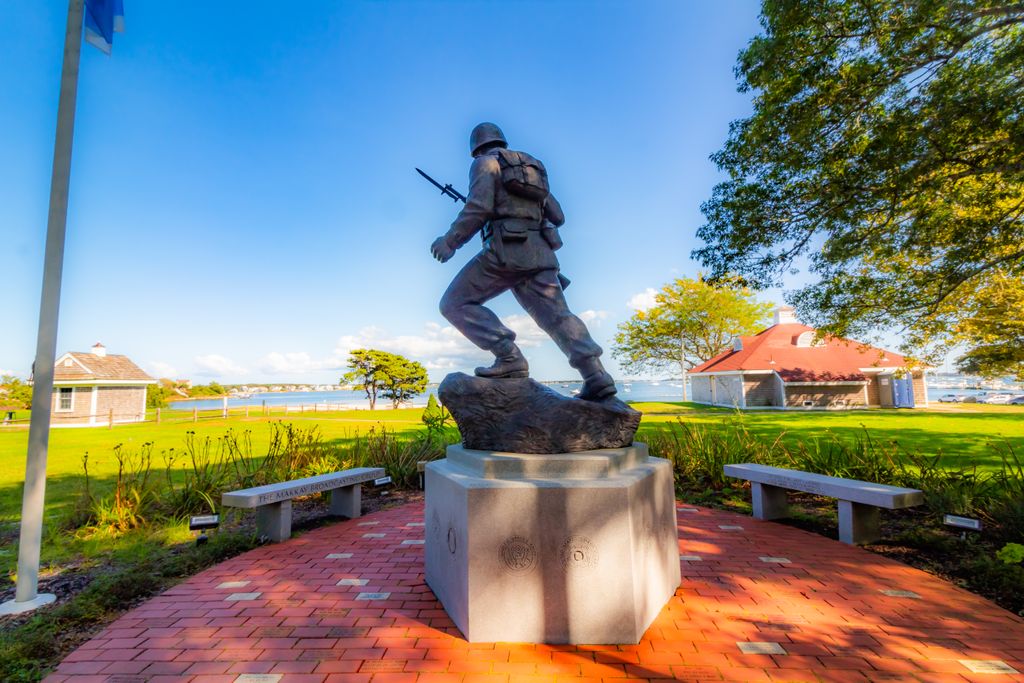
x,y
575,391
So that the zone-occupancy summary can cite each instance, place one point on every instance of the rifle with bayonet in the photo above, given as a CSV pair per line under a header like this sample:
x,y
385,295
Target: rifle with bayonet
x,y
445,189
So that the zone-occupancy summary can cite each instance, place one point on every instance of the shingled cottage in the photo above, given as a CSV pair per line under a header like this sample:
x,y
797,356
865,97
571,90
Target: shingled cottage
x,y
89,388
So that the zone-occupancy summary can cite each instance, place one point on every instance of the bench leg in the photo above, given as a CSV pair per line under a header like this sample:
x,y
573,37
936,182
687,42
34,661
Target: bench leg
x,y
275,521
347,501
769,502
858,523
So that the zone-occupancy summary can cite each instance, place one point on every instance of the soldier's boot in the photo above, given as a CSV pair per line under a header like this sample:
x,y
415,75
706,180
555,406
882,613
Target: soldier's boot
x,y
597,384
509,363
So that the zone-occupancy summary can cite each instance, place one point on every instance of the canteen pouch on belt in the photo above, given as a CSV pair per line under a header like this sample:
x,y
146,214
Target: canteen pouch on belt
x,y
522,175
514,229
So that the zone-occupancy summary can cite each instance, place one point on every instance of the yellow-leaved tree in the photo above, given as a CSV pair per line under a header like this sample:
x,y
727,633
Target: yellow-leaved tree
x,y
692,321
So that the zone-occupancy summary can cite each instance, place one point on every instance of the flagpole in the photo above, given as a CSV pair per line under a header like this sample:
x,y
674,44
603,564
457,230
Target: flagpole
x,y
26,595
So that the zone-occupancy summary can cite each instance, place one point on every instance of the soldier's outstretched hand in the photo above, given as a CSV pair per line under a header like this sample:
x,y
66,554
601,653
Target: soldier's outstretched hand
x,y
441,249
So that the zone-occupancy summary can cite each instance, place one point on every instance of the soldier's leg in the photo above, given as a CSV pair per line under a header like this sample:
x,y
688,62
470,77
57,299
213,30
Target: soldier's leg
x,y
478,282
542,297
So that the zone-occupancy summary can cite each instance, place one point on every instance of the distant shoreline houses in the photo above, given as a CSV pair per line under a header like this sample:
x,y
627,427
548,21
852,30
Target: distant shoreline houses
x,y
785,367
91,389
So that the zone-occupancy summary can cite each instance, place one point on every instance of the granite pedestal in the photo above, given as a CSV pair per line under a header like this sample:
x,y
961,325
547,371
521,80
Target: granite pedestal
x,y
569,548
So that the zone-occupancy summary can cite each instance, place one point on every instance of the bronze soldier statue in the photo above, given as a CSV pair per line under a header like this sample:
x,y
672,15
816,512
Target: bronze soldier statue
x,y
510,203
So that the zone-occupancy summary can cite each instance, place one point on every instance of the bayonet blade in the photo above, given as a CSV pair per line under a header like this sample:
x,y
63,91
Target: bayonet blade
x,y
432,181
445,189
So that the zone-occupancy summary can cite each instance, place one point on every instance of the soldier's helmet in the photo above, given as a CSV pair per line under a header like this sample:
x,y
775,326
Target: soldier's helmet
x,y
485,134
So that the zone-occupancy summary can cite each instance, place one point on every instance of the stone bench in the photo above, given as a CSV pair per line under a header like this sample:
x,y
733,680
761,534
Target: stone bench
x,y
273,502
859,501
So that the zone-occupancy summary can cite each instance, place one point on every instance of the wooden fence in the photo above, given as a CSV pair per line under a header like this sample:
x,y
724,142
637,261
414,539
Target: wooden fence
x,y
174,416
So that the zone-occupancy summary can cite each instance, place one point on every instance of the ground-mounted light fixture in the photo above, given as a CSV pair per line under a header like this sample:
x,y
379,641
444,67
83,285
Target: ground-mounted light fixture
x,y
962,523
381,482
201,523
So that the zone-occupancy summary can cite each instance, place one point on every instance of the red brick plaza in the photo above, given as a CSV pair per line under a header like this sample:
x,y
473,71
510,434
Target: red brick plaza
x,y
759,602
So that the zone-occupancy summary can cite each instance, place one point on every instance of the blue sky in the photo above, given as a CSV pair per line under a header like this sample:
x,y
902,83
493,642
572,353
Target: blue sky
x,y
243,201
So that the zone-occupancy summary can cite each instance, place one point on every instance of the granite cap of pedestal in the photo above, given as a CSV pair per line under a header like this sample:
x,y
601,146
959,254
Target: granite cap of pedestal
x,y
599,464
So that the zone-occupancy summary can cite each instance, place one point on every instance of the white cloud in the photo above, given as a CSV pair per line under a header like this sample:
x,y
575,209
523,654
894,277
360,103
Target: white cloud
x,y
442,348
296,363
216,365
158,368
528,333
438,348
643,300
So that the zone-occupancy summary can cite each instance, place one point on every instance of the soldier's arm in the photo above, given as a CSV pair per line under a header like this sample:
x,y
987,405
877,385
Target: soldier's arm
x,y
479,207
553,211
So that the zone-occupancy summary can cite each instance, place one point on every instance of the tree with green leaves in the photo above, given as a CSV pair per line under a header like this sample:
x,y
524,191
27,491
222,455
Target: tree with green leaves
x,y
885,150
211,389
14,393
157,394
692,321
389,375
435,416
992,326
404,379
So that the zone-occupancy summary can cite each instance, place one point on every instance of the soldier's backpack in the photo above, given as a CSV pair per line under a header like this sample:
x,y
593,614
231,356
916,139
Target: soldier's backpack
x,y
522,175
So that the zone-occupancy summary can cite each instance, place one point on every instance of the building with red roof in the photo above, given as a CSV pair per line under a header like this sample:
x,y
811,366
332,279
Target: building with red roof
x,y
785,366
91,389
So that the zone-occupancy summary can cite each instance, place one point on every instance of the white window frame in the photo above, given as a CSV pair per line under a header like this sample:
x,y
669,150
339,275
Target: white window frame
x,y
60,399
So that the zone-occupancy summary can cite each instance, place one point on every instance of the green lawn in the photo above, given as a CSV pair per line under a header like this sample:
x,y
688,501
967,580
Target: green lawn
x,y
964,434
68,445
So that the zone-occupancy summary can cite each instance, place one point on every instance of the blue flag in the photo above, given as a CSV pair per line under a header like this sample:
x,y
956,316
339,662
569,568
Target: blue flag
x,y
102,19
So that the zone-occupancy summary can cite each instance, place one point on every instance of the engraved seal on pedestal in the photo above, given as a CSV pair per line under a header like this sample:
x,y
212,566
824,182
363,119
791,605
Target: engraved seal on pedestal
x,y
578,552
518,555
435,524
453,540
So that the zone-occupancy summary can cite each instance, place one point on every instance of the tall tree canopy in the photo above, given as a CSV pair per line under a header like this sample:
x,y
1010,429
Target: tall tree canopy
x,y
384,374
404,379
14,393
887,148
691,322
